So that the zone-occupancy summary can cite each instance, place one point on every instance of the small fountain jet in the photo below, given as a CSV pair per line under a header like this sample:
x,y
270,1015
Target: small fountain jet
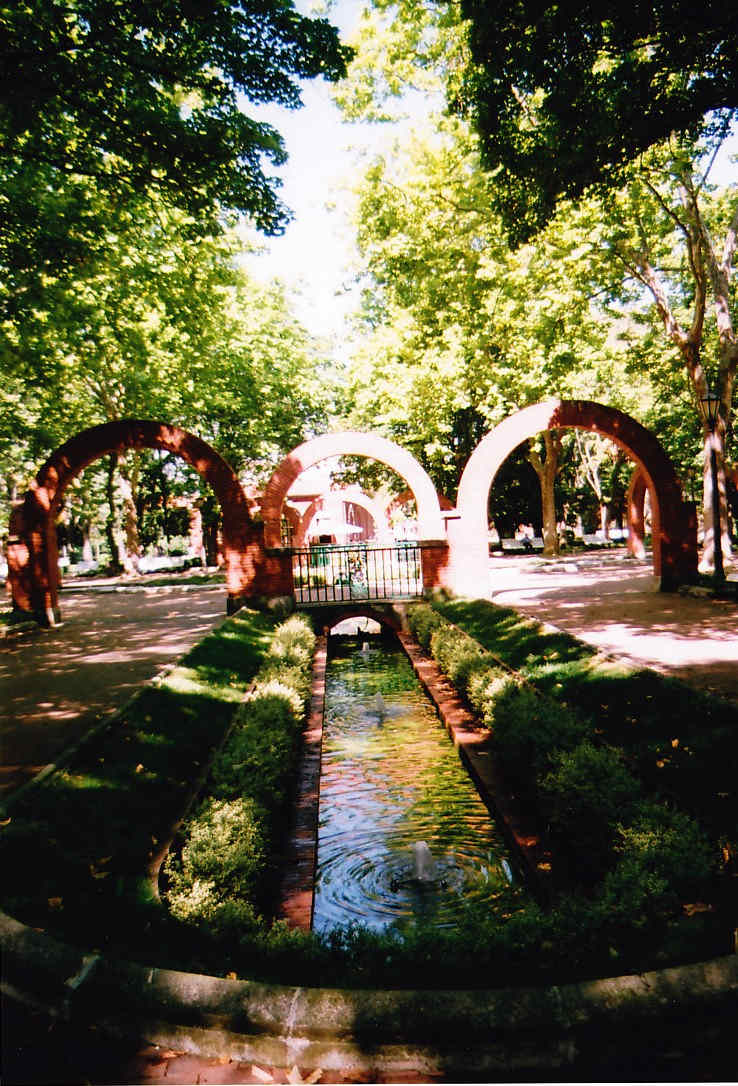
x,y
424,866
424,873
379,707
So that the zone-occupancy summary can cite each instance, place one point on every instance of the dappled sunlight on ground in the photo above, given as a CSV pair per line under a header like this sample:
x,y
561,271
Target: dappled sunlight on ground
x,y
612,601
56,683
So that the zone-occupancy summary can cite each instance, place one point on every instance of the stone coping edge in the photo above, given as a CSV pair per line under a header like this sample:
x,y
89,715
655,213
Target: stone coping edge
x,y
335,1029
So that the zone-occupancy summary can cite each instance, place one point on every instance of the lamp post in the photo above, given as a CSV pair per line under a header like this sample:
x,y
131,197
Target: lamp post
x,y
711,409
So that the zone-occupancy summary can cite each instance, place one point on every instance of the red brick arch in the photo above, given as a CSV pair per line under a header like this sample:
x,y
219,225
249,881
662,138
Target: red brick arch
x,y
349,494
32,550
383,613
351,443
673,522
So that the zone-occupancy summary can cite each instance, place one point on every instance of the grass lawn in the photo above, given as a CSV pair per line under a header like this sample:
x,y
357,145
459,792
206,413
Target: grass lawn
x,y
76,849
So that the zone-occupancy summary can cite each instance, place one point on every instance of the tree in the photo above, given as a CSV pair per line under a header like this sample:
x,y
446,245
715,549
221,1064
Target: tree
x,y
157,322
675,237
462,331
139,95
564,99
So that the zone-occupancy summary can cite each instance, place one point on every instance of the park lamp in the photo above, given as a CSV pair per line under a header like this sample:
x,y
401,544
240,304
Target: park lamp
x,y
711,408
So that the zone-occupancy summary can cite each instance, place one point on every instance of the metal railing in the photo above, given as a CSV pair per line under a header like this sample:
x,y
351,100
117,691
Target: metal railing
x,y
333,574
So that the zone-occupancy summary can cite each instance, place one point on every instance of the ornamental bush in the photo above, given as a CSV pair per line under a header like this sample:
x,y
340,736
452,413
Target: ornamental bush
x,y
529,730
457,655
485,687
670,845
423,620
222,858
586,794
220,877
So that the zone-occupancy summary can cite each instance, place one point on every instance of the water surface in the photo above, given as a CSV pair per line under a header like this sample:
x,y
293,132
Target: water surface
x,y
392,778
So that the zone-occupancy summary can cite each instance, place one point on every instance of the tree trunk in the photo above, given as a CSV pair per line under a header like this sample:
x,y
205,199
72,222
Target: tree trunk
x,y
87,555
714,442
127,482
605,520
111,521
547,470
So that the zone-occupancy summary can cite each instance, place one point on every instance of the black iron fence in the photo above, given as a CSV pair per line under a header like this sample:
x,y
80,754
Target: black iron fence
x,y
332,574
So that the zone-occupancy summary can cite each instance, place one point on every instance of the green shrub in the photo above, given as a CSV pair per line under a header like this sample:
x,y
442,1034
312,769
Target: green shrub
x,y
484,687
293,643
259,758
669,845
528,730
222,858
222,873
423,620
457,655
586,794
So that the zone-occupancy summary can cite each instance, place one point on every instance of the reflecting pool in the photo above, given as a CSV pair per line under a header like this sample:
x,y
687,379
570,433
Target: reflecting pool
x,y
403,834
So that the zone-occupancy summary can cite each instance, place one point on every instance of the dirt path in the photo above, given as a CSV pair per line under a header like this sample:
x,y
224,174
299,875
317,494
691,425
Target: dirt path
x,y
54,684
611,601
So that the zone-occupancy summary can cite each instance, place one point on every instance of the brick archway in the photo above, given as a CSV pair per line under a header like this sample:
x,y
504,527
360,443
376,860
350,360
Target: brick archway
x,y
352,443
349,494
673,520
32,550
389,615
404,496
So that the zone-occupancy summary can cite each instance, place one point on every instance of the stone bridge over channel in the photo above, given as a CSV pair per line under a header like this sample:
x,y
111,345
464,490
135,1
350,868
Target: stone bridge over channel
x,y
452,547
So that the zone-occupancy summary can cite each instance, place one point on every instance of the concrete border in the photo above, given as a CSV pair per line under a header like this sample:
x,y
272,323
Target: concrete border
x,y
529,1029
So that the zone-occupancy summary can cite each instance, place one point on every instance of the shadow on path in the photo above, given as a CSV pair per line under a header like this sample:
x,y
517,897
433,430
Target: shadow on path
x,y
55,684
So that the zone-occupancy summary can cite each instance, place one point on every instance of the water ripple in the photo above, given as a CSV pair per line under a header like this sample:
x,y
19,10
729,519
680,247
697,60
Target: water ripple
x,y
392,778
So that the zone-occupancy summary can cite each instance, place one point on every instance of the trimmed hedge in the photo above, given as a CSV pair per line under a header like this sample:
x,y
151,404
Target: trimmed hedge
x,y
632,861
221,878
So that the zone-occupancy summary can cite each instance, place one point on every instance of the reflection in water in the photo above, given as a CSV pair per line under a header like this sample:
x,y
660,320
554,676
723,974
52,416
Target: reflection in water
x,y
403,833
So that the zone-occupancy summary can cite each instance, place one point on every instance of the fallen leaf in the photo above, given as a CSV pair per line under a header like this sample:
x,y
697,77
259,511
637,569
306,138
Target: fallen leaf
x,y
697,907
261,1075
55,903
139,768
4,821
231,976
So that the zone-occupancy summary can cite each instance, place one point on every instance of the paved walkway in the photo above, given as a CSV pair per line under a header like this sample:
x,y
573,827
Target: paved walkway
x,y
612,602
55,684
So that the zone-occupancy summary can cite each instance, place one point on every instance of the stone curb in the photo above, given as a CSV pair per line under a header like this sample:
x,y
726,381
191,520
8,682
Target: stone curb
x,y
333,1029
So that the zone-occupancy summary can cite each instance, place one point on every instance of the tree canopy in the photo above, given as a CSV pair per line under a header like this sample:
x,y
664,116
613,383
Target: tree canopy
x,y
135,93
563,99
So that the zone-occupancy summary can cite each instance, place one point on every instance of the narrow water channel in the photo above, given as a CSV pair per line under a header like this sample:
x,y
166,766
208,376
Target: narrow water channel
x,y
403,834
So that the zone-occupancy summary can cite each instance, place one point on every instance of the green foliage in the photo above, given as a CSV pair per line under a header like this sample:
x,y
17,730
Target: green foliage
x,y
669,845
485,689
423,620
584,796
458,655
138,96
561,103
529,730
221,874
223,857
